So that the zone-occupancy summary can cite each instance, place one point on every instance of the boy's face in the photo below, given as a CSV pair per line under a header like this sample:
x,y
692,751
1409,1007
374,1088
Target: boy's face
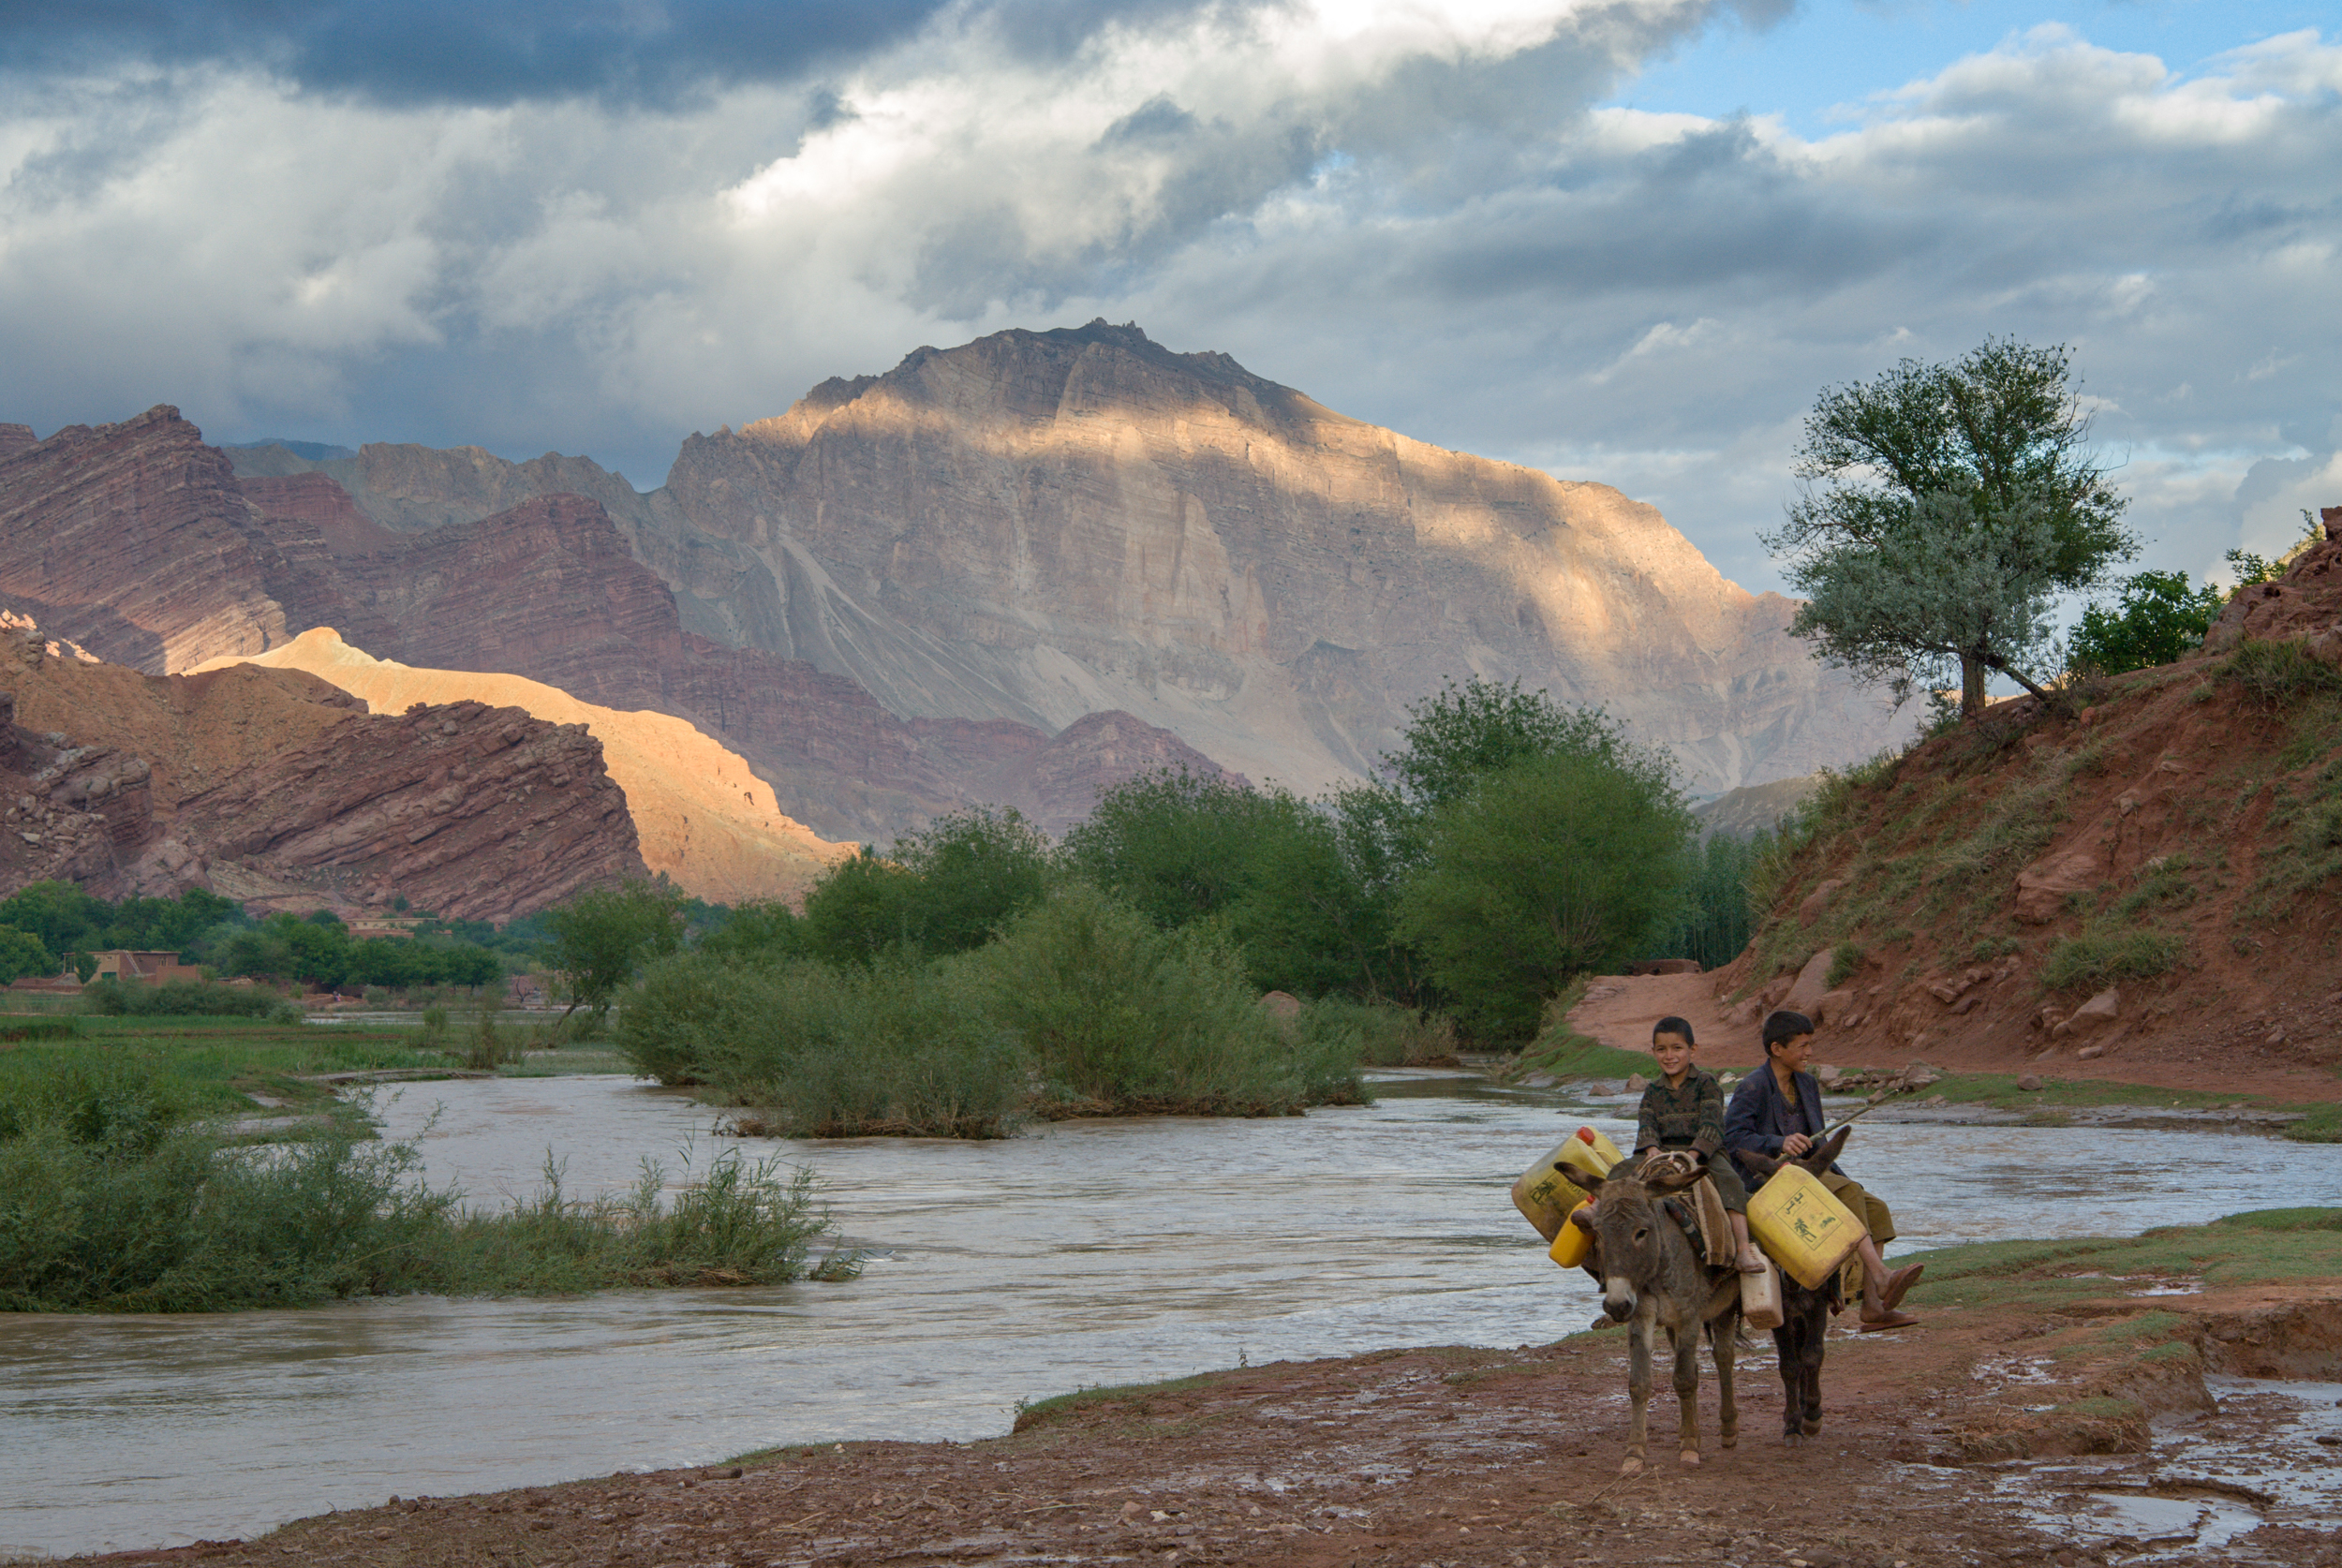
x,y
1792,1052
1674,1053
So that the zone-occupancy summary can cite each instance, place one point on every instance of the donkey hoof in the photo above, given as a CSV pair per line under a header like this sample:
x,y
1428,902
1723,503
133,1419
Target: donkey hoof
x,y
1688,1456
1793,1440
1812,1425
1731,1440
1632,1467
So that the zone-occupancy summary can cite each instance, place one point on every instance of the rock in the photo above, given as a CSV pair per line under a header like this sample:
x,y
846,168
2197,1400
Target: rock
x,y
1281,1004
1948,990
2096,1012
2089,1052
1637,1083
2043,887
270,787
1812,984
1829,1075
1966,1004
1832,1006
2029,1082
1811,907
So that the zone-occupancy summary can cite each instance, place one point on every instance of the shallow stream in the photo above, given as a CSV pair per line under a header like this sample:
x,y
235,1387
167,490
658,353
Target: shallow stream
x,y
1083,1252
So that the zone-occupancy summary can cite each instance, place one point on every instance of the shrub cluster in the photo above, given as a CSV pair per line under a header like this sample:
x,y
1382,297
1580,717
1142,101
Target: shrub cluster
x,y
120,1199
1081,1006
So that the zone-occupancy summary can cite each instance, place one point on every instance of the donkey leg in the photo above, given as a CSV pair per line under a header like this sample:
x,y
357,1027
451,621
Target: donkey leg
x,y
1687,1340
1637,1390
1786,1340
1723,1336
1809,1369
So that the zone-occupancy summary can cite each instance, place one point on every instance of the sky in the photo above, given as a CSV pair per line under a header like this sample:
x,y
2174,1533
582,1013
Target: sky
x,y
1621,240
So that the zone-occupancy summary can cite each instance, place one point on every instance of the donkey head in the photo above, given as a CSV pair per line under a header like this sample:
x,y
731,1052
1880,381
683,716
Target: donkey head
x,y
1631,1231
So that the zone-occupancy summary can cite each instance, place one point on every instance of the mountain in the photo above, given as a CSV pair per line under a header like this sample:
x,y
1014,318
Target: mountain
x,y
140,543
706,821
276,789
1038,525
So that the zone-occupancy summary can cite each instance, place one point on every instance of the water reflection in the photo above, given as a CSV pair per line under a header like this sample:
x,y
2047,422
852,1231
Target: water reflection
x,y
1086,1253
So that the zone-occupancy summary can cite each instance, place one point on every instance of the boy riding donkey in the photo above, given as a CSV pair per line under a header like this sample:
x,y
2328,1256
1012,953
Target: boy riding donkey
x,y
1684,1109
1776,1115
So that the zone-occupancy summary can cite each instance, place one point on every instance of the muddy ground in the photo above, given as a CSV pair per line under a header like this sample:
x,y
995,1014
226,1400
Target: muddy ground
x,y
1954,1444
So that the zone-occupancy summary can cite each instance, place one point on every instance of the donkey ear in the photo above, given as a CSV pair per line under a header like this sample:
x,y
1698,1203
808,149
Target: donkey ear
x,y
1571,1173
1826,1156
1583,1219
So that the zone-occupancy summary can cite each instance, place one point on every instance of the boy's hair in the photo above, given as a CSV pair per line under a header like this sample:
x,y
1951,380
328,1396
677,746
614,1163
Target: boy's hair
x,y
1673,1026
1781,1028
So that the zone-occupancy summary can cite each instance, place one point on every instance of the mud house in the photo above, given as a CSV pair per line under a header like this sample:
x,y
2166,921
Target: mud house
x,y
122,963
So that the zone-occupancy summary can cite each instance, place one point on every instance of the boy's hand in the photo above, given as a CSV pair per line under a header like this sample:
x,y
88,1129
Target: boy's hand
x,y
1795,1145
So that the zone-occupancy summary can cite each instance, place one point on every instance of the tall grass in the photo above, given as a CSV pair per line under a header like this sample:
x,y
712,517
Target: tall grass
x,y
1120,1017
117,1194
1082,1007
186,998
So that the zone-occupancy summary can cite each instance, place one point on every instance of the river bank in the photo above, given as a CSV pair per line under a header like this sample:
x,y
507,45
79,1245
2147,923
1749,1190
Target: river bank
x,y
2090,1403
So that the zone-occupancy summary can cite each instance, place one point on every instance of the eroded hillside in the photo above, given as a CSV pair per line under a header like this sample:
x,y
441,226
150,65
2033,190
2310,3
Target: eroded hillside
x,y
705,819
2154,876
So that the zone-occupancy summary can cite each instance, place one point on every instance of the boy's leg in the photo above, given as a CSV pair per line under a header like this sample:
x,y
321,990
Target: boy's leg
x,y
1882,1287
1735,1196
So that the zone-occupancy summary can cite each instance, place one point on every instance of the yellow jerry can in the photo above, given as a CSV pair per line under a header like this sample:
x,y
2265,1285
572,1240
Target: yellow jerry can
x,y
1570,1247
1545,1196
1801,1227
1760,1298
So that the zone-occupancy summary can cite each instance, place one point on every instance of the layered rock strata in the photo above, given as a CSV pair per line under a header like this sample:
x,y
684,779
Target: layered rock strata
x,y
705,819
273,788
1040,525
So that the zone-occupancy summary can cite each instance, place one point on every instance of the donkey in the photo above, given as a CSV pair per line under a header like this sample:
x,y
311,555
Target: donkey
x,y
1804,1314
1652,1277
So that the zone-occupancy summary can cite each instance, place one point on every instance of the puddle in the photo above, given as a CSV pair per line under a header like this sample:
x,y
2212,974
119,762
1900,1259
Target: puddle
x,y
2212,1480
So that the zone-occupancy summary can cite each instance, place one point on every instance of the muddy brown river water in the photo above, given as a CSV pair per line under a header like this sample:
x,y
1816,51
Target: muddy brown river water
x,y
1083,1252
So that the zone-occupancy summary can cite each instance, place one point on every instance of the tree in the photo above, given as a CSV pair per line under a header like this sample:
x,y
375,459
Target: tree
x,y
603,935
1177,846
1557,866
1944,507
2156,620
1468,732
975,871
20,953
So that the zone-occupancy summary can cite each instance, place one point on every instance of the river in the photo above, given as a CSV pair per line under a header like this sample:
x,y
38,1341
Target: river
x,y
1083,1252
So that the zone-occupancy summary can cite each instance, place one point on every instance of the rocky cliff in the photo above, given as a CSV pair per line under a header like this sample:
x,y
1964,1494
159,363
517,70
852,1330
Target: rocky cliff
x,y
705,819
1040,525
272,787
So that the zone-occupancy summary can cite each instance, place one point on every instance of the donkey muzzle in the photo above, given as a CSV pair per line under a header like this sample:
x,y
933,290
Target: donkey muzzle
x,y
1618,1298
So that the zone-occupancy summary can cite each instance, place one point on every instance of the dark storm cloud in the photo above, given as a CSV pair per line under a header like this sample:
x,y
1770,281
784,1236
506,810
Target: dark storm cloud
x,y
423,51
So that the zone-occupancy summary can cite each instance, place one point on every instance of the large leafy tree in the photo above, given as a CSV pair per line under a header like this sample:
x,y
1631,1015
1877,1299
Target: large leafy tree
x,y
1557,866
1944,510
600,938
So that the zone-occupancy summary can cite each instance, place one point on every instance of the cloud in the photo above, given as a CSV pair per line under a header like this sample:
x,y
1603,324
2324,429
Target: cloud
x,y
1416,213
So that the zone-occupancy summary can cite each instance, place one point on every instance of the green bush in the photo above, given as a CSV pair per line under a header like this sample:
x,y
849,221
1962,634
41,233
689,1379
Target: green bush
x,y
114,1197
2156,619
824,1051
844,1052
1120,1017
140,999
2093,958
1384,1035
39,1028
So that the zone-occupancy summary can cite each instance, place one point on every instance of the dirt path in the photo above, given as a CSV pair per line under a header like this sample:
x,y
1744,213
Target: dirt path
x,y
1619,1009
1459,1457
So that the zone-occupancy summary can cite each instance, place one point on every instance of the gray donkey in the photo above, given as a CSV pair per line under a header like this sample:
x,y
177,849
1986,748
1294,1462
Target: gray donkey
x,y
1804,1316
1652,1277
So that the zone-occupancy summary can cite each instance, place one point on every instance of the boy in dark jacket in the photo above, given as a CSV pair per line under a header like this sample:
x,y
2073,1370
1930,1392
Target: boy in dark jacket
x,y
1776,1112
1683,1108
